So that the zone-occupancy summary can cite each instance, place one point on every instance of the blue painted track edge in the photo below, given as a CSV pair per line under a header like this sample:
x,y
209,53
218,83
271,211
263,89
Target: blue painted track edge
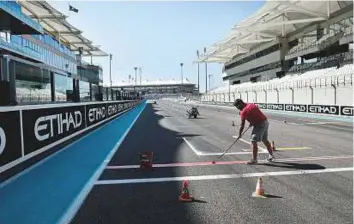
x,y
78,201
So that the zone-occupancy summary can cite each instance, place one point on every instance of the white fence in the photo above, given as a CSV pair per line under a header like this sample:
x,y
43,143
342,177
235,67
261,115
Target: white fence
x,y
334,87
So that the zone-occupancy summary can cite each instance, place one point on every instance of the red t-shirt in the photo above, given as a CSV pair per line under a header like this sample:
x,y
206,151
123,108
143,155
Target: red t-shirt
x,y
252,114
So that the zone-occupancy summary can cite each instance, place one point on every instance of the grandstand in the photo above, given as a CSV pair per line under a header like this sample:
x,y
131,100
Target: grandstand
x,y
41,57
295,52
159,88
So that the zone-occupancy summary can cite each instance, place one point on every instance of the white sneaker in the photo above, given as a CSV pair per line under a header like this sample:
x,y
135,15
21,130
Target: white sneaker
x,y
252,161
270,158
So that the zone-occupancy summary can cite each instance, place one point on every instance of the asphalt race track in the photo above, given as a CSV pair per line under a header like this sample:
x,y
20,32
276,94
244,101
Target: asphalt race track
x,y
311,180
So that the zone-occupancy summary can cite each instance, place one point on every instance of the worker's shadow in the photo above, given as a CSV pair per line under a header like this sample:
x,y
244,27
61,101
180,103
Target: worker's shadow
x,y
297,166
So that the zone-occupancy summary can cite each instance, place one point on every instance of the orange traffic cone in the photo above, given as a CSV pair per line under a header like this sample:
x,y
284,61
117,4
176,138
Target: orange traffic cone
x,y
273,147
259,189
185,196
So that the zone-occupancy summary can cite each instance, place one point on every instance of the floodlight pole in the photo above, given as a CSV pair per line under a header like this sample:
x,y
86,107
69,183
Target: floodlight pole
x,y
198,70
181,64
206,73
135,80
110,69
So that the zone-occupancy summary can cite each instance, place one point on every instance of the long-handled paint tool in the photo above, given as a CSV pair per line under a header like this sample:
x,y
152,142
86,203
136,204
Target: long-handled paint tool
x,y
232,144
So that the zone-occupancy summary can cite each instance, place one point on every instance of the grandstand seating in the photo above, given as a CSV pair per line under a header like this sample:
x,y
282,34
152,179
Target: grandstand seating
x,y
312,44
314,78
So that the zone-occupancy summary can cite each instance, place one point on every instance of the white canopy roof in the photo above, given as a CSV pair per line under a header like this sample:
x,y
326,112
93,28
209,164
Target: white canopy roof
x,y
55,23
274,19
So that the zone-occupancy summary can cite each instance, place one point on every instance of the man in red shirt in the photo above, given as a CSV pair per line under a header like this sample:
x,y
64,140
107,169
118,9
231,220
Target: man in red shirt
x,y
259,121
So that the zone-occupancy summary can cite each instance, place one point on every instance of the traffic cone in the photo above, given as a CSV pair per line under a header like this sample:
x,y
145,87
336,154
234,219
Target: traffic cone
x,y
259,189
146,160
185,196
273,147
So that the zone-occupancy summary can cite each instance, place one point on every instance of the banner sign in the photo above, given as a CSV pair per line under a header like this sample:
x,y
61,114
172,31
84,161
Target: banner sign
x,y
10,137
99,112
296,107
318,109
262,105
42,127
271,106
95,113
346,110
114,108
323,109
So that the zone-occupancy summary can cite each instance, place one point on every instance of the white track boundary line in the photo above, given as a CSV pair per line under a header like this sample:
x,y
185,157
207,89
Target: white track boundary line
x,y
72,210
191,146
223,176
203,153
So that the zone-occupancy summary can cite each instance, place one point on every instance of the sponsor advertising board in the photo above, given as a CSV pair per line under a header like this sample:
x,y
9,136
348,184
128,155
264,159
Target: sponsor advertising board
x,y
295,107
273,106
47,125
346,110
323,109
42,127
10,137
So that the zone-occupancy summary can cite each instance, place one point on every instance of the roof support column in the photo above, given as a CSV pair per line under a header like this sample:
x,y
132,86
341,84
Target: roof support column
x,y
283,48
283,26
58,37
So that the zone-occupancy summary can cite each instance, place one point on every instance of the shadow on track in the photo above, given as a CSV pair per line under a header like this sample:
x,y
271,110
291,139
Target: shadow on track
x,y
298,166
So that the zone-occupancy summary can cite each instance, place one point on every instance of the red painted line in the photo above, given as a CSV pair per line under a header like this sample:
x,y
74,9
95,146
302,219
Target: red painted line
x,y
208,163
201,163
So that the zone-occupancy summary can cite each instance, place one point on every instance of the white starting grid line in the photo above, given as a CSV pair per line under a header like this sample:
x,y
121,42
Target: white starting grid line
x,y
222,176
202,153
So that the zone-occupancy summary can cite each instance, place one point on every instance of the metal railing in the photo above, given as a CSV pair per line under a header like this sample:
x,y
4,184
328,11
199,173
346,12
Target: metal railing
x,y
317,82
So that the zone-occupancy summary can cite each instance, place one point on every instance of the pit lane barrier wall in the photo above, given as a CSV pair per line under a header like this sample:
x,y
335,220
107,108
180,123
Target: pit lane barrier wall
x,y
30,130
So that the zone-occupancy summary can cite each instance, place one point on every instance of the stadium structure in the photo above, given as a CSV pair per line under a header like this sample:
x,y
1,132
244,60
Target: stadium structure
x,y
41,58
158,88
289,52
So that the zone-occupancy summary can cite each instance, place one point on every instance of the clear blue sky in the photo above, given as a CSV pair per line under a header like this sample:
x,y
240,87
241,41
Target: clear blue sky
x,y
157,36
